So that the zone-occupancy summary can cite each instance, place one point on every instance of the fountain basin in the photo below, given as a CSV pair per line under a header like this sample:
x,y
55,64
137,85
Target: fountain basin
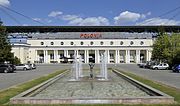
x,y
119,89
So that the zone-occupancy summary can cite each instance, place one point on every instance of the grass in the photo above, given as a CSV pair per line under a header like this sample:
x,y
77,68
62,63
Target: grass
x,y
5,95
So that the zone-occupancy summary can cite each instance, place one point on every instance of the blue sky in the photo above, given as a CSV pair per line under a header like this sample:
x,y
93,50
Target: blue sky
x,y
91,12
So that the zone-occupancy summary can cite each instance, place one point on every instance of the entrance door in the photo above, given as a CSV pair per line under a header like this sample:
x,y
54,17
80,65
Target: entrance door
x,y
92,56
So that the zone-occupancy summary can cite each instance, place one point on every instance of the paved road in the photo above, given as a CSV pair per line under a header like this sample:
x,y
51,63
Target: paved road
x,y
163,76
11,79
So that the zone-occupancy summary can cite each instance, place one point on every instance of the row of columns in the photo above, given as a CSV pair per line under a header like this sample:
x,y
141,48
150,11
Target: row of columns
x,y
97,56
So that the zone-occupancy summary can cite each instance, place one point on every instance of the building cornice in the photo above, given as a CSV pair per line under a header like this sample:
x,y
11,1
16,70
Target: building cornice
x,y
43,29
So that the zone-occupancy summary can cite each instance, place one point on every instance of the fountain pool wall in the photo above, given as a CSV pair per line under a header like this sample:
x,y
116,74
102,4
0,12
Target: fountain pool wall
x,y
119,89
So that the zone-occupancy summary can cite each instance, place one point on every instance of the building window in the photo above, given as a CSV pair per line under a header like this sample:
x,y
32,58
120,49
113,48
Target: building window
x,y
62,43
72,43
111,43
131,43
101,42
91,43
82,43
42,43
121,43
142,43
52,43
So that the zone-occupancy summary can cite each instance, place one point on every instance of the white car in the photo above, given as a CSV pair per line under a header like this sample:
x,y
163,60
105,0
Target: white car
x,y
162,66
33,66
23,67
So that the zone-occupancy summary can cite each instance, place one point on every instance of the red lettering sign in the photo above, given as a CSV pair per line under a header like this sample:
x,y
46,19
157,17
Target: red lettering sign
x,y
91,35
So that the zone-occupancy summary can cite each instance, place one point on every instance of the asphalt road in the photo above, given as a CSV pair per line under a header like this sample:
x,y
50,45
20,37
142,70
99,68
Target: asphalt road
x,y
163,76
18,77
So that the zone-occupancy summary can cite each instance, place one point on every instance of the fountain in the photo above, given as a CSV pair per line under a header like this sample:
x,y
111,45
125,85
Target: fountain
x,y
76,68
110,87
103,67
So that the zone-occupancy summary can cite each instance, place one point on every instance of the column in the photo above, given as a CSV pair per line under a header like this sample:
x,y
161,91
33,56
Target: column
x,y
117,56
150,55
56,55
44,56
147,55
76,53
137,56
108,57
65,53
127,56
36,56
97,56
87,54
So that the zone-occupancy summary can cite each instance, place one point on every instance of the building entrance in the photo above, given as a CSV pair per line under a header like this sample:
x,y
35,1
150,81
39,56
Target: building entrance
x,y
92,56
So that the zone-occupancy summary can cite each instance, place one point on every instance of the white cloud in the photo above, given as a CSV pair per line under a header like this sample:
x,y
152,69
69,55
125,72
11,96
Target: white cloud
x,y
43,20
37,19
149,13
5,2
55,13
127,16
78,20
69,17
25,25
90,21
159,21
48,21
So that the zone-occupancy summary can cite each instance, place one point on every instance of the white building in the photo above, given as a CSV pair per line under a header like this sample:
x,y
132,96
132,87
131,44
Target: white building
x,y
61,45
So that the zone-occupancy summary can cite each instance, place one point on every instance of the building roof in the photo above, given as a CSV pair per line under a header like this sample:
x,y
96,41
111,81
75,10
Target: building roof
x,y
42,29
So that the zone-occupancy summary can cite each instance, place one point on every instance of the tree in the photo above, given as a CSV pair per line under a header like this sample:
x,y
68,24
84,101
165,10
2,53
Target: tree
x,y
16,60
159,47
167,48
175,48
5,46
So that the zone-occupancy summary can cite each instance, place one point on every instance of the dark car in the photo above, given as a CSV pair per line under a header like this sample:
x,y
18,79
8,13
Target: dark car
x,y
176,68
6,68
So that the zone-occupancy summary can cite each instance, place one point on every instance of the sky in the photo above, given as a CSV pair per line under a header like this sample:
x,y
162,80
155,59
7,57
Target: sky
x,y
89,12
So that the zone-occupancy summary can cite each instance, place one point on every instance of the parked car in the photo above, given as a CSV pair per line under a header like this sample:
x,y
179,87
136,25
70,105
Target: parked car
x,y
149,64
33,66
176,68
161,66
6,68
23,67
141,65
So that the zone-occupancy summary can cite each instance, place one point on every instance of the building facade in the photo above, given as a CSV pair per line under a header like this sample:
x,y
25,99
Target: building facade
x,y
60,46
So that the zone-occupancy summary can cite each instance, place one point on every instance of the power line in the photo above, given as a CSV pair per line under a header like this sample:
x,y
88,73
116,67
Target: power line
x,y
22,15
169,11
4,11
164,14
178,13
